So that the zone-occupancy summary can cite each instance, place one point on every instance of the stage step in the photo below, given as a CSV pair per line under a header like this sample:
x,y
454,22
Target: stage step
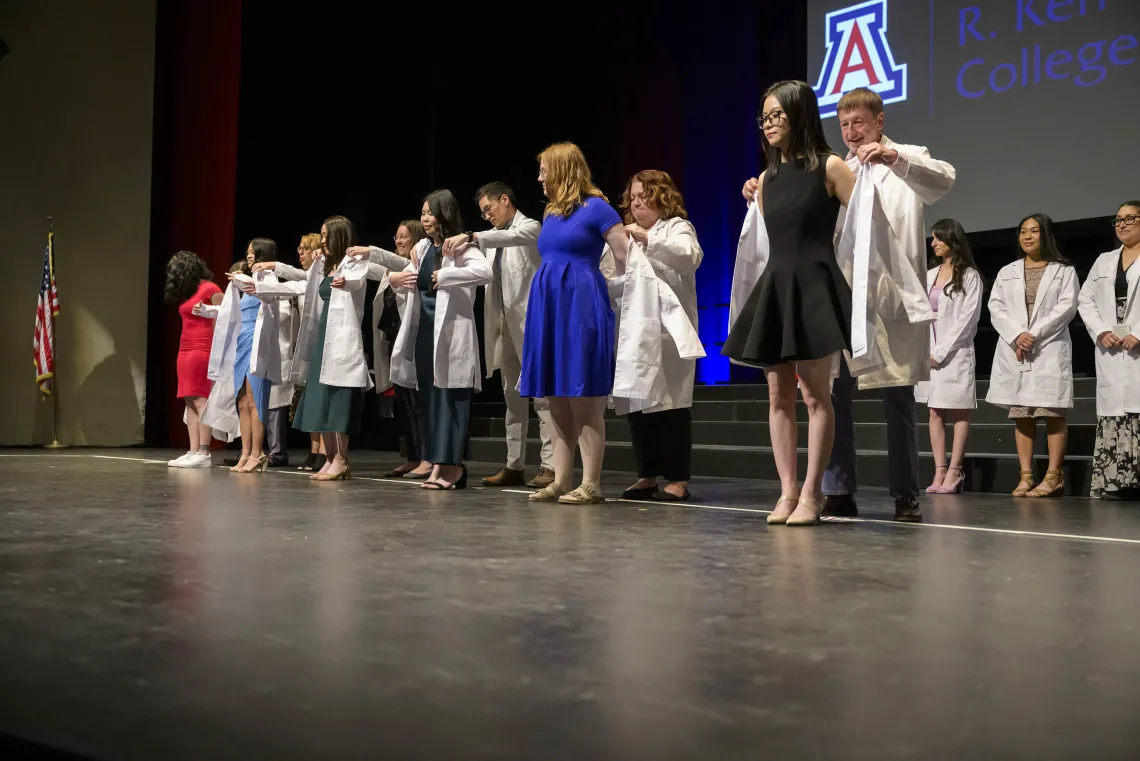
x,y
730,430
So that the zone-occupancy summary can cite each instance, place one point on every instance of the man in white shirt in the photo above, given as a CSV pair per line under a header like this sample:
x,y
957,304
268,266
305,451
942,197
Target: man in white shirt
x,y
907,178
512,247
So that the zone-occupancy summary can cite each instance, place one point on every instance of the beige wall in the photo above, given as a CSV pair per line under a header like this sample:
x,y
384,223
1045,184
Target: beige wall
x,y
76,102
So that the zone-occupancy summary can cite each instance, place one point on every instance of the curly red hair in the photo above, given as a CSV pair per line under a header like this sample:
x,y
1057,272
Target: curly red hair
x,y
661,193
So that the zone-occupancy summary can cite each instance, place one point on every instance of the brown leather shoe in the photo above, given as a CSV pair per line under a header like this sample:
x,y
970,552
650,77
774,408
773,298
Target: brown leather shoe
x,y
506,477
542,479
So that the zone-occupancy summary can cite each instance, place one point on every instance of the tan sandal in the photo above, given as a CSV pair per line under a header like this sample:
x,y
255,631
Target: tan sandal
x,y
1053,485
806,514
779,516
586,494
1026,483
549,493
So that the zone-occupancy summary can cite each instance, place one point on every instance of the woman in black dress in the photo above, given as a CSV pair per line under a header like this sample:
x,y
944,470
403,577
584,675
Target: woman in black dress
x,y
799,314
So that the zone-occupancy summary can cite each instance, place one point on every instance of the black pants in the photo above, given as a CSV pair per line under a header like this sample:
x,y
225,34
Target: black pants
x,y
662,443
408,417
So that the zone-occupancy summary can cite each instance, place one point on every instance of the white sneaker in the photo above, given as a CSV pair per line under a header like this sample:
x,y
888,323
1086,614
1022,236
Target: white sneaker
x,y
197,460
177,461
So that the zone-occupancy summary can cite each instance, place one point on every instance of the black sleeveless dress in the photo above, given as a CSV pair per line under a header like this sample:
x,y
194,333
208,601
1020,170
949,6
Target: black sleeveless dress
x,y
800,308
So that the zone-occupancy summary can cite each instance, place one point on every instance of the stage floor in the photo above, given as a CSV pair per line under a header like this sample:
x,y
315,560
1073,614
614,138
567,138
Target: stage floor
x,y
151,613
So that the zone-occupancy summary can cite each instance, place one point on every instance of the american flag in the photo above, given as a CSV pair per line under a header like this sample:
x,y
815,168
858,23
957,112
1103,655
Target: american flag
x,y
46,310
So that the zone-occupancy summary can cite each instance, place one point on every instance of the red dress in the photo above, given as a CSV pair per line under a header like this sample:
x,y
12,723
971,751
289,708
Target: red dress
x,y
194,349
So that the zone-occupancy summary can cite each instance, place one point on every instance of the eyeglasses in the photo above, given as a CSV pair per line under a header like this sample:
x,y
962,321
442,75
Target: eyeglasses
x,y
485,212
1131,219
774,117
643,197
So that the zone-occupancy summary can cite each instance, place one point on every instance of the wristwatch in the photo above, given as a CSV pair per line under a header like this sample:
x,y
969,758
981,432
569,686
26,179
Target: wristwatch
x,y
470,237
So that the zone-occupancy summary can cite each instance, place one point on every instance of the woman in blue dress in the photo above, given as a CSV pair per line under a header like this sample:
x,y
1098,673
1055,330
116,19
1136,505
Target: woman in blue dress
x,y
252,392
568,341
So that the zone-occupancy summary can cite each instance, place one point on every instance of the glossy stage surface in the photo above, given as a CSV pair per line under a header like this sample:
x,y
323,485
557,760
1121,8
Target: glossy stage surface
x,y
150,613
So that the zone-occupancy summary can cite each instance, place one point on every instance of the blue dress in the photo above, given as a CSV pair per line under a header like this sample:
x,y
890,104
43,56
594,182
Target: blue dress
x,y
259,386
568,341
445,413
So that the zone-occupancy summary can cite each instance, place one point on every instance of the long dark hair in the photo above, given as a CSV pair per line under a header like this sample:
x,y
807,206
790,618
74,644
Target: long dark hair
x,y
264,250
445,209
341,237
184,273
801,109
1049,250
961,258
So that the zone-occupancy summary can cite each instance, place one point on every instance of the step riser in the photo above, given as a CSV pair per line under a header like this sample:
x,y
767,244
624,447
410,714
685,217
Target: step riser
x,y
982,474
862,410
984,438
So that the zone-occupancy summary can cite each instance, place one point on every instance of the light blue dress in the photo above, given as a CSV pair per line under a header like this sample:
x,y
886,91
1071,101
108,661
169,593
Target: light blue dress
x,y
260,386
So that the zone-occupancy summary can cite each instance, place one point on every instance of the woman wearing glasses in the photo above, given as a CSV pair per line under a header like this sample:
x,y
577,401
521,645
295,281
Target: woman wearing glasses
x,y
798,315
388,308
1111,313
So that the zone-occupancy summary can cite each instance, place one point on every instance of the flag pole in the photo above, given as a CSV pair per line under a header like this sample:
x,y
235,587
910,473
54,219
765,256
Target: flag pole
x,y
55,442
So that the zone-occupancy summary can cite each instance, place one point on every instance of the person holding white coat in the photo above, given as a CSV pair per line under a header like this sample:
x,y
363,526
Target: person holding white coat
x,y
389,308
956,298
1110,310
330,344
437,349
512,250
1031,305
659,416
245,361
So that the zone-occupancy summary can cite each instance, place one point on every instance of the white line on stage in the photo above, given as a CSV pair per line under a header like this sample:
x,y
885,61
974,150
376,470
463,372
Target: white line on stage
x,y
691,505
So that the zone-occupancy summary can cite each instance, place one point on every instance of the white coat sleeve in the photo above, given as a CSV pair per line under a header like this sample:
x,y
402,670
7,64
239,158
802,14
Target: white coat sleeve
x,y
679,250
276,291
1066,309
285,272
1090,312
389,259
1005,325
954,336
470,269
929,178
524,234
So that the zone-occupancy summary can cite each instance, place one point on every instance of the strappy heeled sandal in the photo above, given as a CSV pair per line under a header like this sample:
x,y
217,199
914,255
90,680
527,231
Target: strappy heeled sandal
x,y
1053,485
779,516
1026,483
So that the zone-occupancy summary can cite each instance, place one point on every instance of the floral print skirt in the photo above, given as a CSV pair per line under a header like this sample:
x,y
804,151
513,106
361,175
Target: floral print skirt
x,y
1116,456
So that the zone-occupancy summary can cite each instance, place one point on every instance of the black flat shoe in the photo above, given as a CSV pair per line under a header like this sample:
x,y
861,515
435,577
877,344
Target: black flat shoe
x,y
664,496
229,462
395,473
411,476
641,495
307,465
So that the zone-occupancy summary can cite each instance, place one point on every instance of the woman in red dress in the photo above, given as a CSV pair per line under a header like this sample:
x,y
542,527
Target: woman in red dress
x,y
189,283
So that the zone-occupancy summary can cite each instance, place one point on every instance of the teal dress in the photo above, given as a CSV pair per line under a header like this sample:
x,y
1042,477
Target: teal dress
x,y
327,409
444,412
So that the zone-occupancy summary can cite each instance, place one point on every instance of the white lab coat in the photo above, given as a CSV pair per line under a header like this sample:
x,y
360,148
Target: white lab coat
x,y
1046,380
655,304
903,314
861,251
342,357
456,338
381,264
264,361
951,385
288,325
1117,371
515,269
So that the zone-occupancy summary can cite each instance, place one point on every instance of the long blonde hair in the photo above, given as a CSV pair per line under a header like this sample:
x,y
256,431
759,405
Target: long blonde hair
x,y
568,181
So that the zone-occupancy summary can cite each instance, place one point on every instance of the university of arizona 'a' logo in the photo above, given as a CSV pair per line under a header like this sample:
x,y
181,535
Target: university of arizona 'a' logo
x,y
858,56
